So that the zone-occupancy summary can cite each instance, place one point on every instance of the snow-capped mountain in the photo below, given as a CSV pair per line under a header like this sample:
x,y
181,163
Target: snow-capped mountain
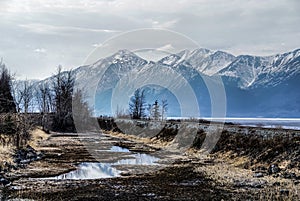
x,y
246,69
205,61
255,85
117,66
140,73
254,72
282,67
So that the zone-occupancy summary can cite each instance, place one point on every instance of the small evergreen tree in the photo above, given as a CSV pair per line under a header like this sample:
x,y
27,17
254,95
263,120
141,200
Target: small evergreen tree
x,y
149,110
155,111
7,103
164,109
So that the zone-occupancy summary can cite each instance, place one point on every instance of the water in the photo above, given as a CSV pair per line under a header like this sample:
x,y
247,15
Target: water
x,y
89,170
139,159
119,149
286,123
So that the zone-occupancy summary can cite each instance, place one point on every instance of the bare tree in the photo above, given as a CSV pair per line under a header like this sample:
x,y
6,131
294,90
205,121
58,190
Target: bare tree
x,y
23,93
137,105
44,98
82,114
16,86
63,86
27,95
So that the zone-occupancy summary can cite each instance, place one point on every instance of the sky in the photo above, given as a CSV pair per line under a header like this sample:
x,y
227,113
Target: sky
x,y
38,35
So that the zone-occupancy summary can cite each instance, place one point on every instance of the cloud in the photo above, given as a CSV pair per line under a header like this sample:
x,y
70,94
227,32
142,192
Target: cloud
x,y
166,48
74,28
164,25
40,50
97,45
29,6
125,8
51,29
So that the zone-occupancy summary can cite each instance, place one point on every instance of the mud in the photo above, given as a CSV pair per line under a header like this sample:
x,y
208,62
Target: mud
x,y
221,175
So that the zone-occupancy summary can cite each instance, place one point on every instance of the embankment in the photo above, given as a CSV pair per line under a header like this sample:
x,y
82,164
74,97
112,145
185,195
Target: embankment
x,y
260,148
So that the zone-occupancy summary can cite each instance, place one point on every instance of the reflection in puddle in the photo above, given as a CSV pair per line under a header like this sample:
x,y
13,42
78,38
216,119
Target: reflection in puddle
x,y
115,149
107,170
139,159
91,171
118,149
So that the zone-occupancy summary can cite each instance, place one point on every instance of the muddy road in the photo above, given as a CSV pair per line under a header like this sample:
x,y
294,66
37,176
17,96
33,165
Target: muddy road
x,y
110,167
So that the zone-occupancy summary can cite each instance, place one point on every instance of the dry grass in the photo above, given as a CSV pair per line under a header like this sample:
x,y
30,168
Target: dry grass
x,y
233,159
37,135
228,169
147,141
6,152
274,193
228,174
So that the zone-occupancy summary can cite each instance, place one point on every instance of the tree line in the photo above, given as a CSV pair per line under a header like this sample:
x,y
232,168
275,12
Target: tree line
x,y
139,109
55,98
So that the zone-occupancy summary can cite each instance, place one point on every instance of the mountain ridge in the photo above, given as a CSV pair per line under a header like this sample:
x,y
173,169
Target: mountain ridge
x,y
254,85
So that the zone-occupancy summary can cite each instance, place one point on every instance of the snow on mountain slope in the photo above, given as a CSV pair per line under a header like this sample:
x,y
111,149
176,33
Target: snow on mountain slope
x,y
217,61
248,71
253,84
282,67
245,69
117,66
198,57
205,61
254,72
171,60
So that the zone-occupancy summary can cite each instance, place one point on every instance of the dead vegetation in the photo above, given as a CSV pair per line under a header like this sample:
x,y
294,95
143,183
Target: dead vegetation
x,y
8,150
238,168
261,161
261,150
15,129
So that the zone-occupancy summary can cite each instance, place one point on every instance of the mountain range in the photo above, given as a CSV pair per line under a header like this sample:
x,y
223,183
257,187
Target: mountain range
x,y
255,86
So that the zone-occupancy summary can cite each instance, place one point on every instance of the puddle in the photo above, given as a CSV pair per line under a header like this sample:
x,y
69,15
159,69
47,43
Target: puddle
x,y
115,149
118,149
139,159
90,171
86,171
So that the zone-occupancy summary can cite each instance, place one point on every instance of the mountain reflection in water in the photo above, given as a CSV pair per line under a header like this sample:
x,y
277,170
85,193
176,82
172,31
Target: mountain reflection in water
x,y
92,170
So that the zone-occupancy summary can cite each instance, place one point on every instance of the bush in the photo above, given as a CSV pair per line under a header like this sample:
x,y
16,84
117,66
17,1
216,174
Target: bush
x,y
15,129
